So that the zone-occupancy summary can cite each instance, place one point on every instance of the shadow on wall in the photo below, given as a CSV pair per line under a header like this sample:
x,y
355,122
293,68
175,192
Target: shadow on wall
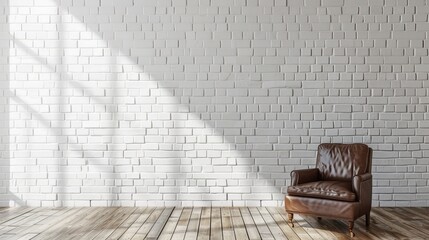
x,y
196,139
140,121
69,152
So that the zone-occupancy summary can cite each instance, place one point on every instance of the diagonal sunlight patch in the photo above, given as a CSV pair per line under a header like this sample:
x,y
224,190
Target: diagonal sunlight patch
x,y
97,123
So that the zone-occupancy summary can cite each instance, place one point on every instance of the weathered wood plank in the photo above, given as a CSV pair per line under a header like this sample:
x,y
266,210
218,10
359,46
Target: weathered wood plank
x,y
55,228
401,229
131,231
204,229
79,226
262,227
410,218
169,228
321,228
194,223
159,224
302,234
227,230
182,225
11,213
249,224
216,225
126,224
50,218
106,228
287,230
148,225
299,220
238,224
96,228
274,228
32,224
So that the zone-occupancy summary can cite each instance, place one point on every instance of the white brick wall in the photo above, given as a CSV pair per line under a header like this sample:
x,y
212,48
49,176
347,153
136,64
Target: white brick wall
x,y
204,102
4,108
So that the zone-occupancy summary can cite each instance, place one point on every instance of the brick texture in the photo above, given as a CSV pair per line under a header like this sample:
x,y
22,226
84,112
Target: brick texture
x,y
208,103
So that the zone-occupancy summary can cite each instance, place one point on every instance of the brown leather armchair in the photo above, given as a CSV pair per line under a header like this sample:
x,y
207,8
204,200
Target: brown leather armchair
x,y
339,187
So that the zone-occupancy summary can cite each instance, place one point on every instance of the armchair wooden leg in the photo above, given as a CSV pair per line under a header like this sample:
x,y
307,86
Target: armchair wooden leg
x,y
290,216
367,219
351,224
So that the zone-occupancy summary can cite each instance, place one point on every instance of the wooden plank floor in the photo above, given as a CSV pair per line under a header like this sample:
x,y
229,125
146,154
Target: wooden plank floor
x,y
202,223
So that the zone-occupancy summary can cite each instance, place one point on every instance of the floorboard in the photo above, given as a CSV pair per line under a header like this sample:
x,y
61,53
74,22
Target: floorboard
x,y
252,231
99,223
238,224
262,227
182,225
193,225
204,229
171,224
216,225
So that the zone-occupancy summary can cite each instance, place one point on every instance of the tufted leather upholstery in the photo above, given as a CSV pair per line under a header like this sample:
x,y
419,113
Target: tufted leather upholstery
x,y
339,187
342,161
335,190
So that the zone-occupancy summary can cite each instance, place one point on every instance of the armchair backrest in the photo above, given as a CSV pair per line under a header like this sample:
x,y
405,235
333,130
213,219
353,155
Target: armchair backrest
x,y
340,162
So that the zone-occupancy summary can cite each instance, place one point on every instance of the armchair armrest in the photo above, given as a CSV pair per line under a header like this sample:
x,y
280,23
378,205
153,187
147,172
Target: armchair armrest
x,y
361,181
362,186
304,176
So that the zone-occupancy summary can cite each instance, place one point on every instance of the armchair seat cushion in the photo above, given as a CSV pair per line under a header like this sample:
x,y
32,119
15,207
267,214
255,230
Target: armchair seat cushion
x,y
334,190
